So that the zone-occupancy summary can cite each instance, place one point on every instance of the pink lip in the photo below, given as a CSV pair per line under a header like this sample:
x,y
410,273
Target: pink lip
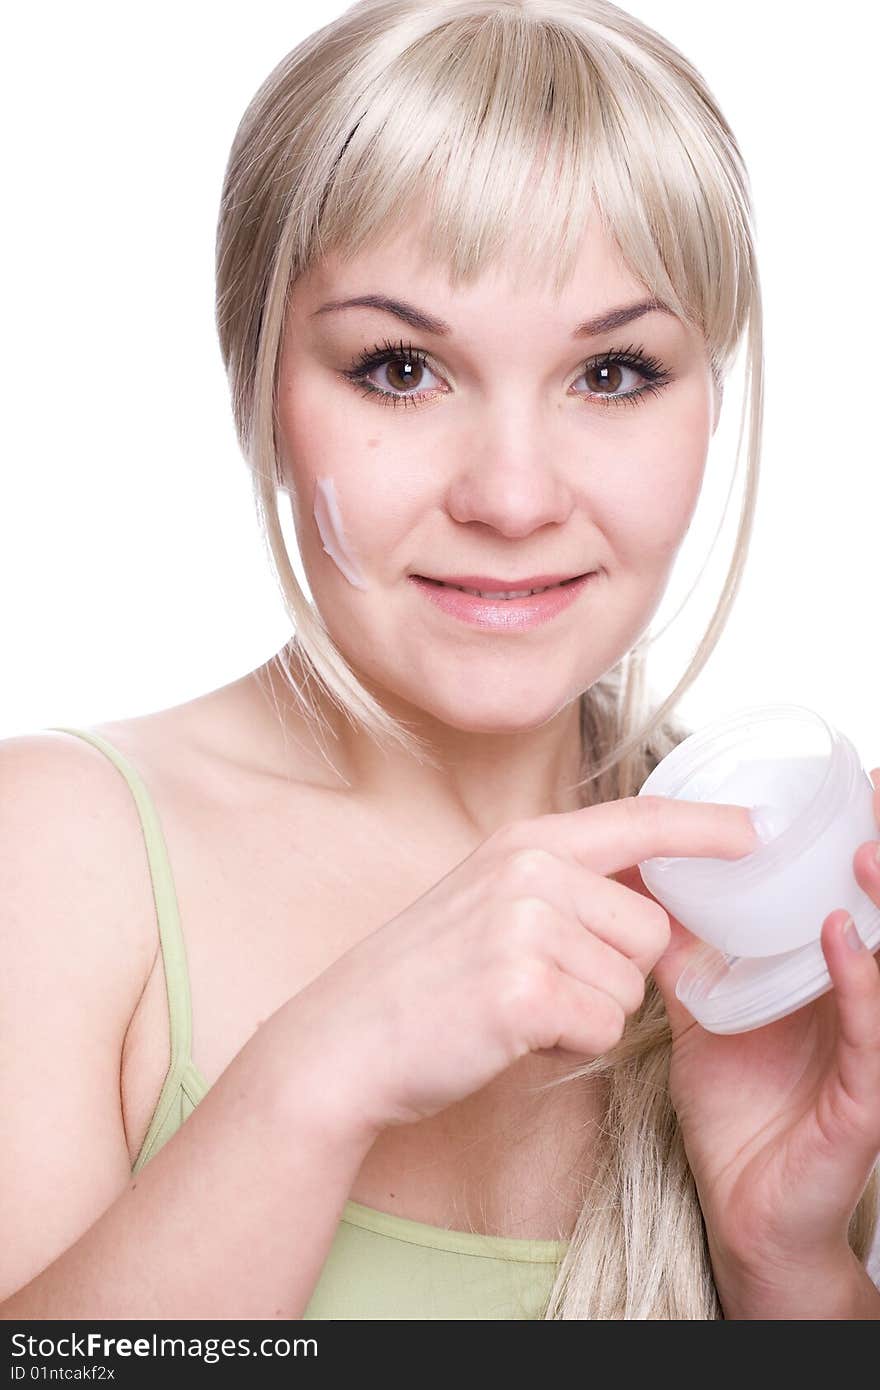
x,y
503,615
487,583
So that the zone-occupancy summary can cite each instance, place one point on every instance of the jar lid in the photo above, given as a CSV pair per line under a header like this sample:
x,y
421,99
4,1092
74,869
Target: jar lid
x,y
733,994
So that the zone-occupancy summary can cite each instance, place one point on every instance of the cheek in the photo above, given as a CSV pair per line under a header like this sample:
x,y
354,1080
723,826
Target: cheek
x,y
336,510
650,493
354,504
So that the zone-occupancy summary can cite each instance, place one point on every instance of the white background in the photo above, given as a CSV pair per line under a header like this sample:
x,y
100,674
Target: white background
x,y
131,570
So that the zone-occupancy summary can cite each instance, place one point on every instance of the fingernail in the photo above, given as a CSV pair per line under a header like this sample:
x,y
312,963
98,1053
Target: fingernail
x,y
768,821
850,931
877,855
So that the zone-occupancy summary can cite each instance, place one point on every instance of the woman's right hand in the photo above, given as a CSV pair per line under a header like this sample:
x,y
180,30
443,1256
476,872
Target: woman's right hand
x,y
527,945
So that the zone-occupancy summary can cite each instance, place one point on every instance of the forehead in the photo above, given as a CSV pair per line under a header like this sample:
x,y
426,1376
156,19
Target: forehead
x,y
400,265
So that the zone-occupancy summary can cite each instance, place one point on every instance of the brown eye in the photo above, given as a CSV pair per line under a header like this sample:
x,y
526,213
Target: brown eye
x,y
403,375
606,375
605,380
405,368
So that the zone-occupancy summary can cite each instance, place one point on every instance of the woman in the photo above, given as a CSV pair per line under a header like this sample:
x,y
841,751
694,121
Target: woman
x,y
434,1065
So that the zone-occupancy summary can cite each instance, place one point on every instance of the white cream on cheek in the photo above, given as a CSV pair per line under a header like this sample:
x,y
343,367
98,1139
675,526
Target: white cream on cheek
x,y
328,518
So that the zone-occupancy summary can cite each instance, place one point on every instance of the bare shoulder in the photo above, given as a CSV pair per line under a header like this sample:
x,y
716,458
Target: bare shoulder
x,y
77,940
72,860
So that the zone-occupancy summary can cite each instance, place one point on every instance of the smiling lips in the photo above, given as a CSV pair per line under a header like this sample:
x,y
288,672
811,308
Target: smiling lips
x,y
506,611
486,586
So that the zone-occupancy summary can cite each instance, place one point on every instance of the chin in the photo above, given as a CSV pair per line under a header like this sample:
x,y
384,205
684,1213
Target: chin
x,y
486,712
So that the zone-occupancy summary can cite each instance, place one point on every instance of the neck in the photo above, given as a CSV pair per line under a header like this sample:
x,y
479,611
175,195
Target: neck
x,y
482,780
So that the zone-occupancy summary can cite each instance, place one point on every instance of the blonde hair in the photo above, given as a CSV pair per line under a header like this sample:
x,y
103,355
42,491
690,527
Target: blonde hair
x,y
401,105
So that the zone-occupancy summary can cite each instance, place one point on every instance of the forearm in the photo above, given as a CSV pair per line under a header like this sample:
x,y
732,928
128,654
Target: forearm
x,y
235,1215
841,1290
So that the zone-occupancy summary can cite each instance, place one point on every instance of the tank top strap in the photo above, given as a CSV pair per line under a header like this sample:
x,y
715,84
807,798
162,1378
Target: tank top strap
x,y
168,917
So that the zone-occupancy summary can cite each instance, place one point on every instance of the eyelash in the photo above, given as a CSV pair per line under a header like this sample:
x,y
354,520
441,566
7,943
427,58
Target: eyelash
x,y
635,357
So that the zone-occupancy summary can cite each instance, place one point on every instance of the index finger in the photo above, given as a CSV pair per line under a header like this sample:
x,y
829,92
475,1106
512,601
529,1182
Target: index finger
x,y
617,834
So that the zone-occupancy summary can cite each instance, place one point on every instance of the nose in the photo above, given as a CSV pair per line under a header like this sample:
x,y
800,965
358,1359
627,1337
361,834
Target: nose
x,y
509,477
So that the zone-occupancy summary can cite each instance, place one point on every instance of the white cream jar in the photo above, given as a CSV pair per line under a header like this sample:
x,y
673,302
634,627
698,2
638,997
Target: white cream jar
x,y
761,915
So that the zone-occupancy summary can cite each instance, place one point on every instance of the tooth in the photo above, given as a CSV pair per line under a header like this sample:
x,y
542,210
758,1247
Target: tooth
x,y
500,594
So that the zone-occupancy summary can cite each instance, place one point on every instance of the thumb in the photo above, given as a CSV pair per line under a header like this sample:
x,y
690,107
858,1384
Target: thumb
x,y
683,946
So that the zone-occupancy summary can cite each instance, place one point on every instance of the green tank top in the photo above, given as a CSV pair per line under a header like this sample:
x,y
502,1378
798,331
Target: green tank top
x,y
380,1266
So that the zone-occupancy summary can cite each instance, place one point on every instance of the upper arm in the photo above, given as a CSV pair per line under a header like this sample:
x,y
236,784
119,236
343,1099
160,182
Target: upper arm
x,y
74,903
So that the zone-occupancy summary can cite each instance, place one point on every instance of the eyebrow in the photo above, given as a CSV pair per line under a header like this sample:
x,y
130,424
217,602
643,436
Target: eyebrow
x,y
429,323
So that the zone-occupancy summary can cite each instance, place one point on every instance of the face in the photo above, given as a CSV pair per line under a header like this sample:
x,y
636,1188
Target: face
x,y
505,447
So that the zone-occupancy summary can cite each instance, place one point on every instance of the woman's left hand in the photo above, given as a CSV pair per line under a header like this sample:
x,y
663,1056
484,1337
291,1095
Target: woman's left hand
x,y
781,1125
